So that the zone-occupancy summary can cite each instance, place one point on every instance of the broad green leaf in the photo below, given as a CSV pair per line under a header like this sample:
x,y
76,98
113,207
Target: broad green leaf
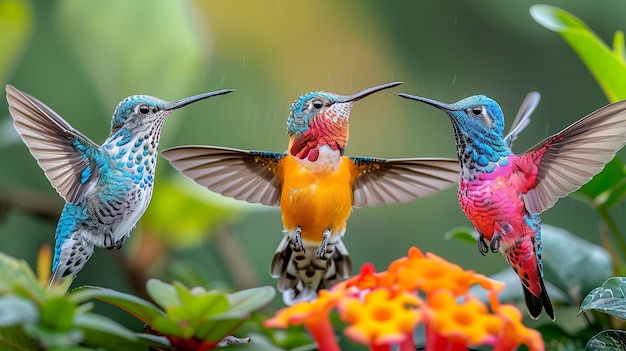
x,y
609,298
155,341
607,340
16,26
140,308
57,313
209,304
184,294
250,300
15,310
572,264
464,234
104,333
167,326
261,342
152,46
50,338
163,294
217,328
15,338
606,65
14,272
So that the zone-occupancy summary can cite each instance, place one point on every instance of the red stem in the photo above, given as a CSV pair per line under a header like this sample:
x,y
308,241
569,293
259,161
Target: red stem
x,y
383,347
324,335
408,344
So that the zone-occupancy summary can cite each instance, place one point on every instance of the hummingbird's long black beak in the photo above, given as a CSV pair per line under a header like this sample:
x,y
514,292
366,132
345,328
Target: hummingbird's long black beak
x,y
438,104
366,92
190,100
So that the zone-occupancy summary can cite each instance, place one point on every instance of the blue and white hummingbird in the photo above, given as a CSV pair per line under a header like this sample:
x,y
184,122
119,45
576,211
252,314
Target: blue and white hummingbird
x,y
106,188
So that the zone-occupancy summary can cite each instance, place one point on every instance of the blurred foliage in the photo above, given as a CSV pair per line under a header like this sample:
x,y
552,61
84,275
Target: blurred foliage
x,y
33,317
16,26
191,319
81,58
165,58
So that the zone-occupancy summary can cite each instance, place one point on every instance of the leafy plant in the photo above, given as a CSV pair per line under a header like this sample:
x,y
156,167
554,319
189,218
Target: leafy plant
x,y
34,317
191,319
608,66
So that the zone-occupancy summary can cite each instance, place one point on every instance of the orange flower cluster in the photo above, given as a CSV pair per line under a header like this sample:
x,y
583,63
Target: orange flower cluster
x,y
383,309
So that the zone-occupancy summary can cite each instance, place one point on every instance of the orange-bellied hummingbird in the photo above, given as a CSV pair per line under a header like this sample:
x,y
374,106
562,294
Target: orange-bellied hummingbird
x,y
315,186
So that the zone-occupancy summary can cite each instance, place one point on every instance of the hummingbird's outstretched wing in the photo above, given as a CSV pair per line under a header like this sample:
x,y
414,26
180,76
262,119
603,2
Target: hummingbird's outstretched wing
x,y
570,158
387,181
64,153
240,174
522,119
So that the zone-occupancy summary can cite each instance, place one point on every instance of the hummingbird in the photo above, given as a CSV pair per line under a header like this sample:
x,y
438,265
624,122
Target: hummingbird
x,y
503,193
314,185
106,188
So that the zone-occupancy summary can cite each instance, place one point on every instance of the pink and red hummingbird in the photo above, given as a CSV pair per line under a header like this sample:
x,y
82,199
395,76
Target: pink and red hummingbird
x,y
315,186
503,194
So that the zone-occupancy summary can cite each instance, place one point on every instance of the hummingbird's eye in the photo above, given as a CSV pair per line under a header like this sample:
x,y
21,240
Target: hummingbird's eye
x,y
317,103
144,109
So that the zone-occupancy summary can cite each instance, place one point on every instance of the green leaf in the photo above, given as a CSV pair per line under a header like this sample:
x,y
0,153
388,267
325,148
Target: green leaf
x,y
576,267
217,328
261,342
16,310
607,340
15,338
140,308
53,338
57,313
17,274
609,298
607,66
250,300
464,234
155,341
167,326
101,332
16,26
163,294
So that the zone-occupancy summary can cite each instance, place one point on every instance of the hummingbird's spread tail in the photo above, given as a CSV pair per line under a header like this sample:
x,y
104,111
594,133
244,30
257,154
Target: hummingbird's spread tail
x,y
534,304
301,272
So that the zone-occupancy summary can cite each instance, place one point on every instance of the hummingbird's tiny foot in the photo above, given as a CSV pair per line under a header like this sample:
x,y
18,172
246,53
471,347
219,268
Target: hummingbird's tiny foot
x,y
482,245
321,251
296,243
495,243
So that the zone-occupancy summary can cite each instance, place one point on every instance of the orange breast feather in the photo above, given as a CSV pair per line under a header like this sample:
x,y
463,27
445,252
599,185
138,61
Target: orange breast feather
x,y
316,197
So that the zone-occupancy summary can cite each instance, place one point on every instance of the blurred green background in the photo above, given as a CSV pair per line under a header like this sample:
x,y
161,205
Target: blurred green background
x,y
81,58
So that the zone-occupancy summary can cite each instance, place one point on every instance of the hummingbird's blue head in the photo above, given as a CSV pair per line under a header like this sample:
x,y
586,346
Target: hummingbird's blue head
x,y
478,113
136,111
478,124
139,112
